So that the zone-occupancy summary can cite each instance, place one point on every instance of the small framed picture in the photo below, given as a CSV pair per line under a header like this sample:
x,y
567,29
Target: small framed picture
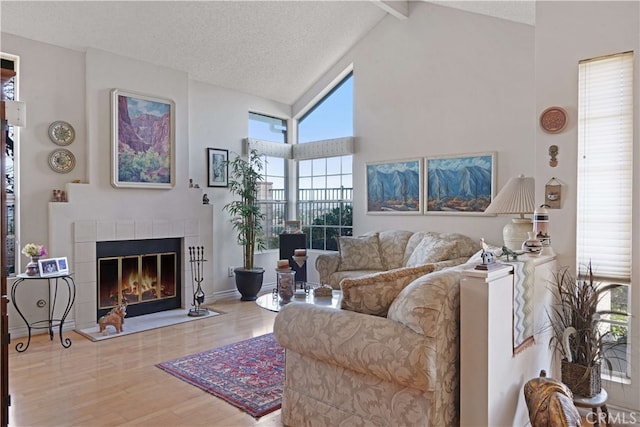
x,y
63,266
217,169
292,227
48,267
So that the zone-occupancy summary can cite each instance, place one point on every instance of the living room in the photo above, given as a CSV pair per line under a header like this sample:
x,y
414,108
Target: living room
x,y
443,81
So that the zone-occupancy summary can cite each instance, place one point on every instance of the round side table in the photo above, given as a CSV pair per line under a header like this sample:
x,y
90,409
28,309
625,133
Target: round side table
x,y
53,281
595,402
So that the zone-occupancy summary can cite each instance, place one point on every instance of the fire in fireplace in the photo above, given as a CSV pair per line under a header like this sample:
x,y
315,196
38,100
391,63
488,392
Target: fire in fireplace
x,y
144,273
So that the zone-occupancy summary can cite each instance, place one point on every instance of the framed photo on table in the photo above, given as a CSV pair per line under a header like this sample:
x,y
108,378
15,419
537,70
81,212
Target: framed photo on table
x,y
63,265
293,227
217,167
48,267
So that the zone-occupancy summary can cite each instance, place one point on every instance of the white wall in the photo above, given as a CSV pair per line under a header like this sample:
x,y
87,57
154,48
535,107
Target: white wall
x,y
52,84
439,83
567,32
218,119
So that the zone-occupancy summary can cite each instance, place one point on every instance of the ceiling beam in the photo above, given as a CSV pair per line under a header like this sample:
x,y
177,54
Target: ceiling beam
x,y
397,8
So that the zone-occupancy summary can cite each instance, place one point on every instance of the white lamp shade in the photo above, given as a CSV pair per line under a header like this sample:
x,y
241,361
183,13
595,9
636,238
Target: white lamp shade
x,y
517,196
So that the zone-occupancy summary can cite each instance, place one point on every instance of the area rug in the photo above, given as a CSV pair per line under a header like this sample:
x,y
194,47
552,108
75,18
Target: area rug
x,y
248,374
146,322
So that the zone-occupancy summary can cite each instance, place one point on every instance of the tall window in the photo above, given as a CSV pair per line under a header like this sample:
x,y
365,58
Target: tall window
x,y
325,184
273,196
605,178
9,173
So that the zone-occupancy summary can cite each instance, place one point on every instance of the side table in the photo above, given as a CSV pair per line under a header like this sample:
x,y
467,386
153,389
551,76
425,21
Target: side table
x,y
50,322
595,402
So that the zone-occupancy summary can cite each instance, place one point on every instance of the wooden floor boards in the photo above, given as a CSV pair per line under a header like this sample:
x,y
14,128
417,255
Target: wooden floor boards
x,y
115,383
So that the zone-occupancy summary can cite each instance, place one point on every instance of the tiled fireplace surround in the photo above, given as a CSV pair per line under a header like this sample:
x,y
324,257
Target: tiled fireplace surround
x,y
113,225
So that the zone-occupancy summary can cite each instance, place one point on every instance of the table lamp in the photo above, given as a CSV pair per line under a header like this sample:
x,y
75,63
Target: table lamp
x,y
516,197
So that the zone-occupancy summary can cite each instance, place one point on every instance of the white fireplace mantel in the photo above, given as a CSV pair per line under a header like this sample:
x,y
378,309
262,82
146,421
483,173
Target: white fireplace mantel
x,y
77,225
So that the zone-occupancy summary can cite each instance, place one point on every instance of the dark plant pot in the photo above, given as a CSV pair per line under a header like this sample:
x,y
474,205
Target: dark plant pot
x,y
249,282
582,380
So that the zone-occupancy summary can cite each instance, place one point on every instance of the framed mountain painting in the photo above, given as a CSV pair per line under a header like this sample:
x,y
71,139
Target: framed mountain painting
x,y
394,187
460,184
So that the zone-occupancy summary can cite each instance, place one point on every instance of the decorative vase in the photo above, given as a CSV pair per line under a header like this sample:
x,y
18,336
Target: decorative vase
x,y
286,285
532,245
582,380
32,267
249,282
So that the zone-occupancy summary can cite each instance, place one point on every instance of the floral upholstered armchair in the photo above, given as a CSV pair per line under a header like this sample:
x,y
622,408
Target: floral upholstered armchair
x,y
393,362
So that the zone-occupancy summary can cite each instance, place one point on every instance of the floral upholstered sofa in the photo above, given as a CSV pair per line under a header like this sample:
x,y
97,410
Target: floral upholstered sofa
x,y
393,362
387,250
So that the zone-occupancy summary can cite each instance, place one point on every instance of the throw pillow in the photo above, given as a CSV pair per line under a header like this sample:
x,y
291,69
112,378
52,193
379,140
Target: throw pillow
x,y
431,250
374,293
359,253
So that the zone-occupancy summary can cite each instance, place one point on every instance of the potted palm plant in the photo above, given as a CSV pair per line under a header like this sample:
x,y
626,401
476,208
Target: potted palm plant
x,y
583,342
246,218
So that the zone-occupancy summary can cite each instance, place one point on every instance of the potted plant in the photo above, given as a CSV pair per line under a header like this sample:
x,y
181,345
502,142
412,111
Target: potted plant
x,y
577,334
246,218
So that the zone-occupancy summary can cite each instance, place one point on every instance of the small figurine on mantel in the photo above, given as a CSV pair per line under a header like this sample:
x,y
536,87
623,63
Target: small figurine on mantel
x,y
488,258
511,255
205,199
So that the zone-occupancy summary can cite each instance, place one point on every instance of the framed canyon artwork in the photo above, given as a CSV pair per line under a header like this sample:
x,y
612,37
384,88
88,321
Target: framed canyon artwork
x,y
142,141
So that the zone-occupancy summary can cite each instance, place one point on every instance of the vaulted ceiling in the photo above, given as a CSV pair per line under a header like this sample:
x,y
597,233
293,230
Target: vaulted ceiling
x,y
272,49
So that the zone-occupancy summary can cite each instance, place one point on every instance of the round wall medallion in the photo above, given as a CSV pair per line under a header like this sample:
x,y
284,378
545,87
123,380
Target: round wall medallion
x,y
553,119
61,133
62,160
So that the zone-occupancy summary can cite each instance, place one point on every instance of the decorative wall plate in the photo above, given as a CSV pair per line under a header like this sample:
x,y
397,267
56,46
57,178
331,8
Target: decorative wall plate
x,y
62,160
553,119
61,133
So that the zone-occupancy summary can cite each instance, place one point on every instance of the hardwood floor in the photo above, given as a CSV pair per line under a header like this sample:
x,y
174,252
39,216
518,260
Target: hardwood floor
x,y
115,383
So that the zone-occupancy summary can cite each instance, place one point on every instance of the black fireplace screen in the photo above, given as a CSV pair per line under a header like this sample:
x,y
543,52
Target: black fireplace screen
x,y
144,273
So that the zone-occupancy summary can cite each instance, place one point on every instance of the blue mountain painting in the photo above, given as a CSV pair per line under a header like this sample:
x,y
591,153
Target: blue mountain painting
x,y
393,186
460,184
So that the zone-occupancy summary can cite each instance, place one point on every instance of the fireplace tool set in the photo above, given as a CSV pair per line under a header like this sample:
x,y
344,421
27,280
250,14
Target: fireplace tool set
x,y
196,259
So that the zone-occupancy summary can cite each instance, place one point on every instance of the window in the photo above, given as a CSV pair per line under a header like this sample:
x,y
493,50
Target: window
x,y
605,178
9,173
325,184
273,197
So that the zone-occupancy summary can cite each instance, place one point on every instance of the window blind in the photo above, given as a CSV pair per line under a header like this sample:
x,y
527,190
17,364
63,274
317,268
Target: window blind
x,y
310,150
605,166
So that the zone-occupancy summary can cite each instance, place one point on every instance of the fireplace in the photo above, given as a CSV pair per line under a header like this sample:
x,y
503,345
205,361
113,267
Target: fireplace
x,y
143,273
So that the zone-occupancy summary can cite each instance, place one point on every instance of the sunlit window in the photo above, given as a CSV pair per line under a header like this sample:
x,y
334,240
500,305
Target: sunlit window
x,y
325,184
273,194
605,180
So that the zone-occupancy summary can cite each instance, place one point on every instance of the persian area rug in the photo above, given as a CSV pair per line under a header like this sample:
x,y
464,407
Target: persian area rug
x,y
144,323
248,374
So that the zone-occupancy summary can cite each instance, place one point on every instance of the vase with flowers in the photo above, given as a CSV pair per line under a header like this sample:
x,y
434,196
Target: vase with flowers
x,y
34,251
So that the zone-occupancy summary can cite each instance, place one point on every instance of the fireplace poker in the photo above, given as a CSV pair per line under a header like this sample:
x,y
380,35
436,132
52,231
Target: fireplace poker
x,y
196,259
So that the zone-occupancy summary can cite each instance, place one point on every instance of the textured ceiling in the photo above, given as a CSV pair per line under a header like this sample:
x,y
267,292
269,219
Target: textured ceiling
x,y
273,49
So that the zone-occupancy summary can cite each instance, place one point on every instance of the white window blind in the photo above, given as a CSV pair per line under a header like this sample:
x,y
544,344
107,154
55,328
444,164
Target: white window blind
x,y
605,166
